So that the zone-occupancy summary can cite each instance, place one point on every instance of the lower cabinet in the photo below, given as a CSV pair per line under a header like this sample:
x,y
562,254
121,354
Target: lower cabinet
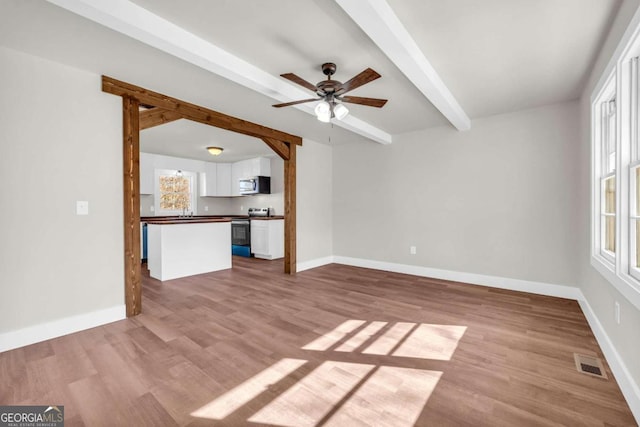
x,y
267,238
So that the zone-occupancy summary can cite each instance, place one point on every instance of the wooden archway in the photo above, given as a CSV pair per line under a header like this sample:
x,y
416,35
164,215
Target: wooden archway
x,y
163,109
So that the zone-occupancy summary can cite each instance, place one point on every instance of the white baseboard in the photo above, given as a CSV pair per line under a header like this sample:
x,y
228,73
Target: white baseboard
x,y
629,388
540,288
68,325
318,262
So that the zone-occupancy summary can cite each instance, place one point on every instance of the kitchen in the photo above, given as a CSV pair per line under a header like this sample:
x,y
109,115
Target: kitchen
x,y
195,202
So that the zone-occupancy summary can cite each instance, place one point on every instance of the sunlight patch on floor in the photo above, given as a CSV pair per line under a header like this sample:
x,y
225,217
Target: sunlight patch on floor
x,y
347,393
309,400
331,338
436,342
390,339
242,394
361,337
402,339
391,396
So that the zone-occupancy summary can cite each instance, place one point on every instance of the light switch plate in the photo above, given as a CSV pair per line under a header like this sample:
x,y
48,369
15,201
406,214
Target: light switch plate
x,y
82,207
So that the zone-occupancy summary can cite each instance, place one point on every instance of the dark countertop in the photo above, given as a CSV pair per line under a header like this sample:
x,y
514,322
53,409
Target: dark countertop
x,y
155,218
202,218
190,220
266,218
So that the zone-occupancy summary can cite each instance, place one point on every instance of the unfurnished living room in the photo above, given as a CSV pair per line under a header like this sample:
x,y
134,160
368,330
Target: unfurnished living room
x,y
320,213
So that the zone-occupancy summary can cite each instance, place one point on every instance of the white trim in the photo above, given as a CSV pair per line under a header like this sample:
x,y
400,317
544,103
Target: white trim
x,y
540,288
313,263
57,328
126,17
629,388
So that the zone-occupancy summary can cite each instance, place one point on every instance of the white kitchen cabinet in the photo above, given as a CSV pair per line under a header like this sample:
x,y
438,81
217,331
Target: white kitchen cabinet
x,y
223,180
267,238
259,166
146,173
236,175
208,180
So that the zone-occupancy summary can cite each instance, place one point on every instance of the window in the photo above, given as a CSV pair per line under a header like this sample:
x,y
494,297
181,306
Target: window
x,y
175,192
634,169
605,133
615,110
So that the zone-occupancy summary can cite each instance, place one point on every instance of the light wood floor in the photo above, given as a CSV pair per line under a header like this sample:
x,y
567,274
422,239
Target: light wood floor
x,y
332,346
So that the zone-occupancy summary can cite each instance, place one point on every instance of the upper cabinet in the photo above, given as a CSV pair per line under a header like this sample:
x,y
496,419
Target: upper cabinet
x,y
209,180
259,166
223,180
146,173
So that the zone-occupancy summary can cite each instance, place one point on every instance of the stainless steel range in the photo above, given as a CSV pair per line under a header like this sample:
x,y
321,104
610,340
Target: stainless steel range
x,y
258,212
241,232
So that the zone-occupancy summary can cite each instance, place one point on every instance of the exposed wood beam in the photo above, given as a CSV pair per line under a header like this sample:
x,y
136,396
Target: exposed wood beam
x,y
281,148
131,180
157,116
132,98
126,17
380,23
195,112
290,211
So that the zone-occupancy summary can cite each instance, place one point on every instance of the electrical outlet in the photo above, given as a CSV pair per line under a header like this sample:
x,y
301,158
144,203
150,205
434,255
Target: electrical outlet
x,y
82,207
617,312
206,208
412,250
151,208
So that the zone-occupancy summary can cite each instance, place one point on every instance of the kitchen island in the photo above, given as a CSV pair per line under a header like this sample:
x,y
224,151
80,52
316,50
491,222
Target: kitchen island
x,y
186,246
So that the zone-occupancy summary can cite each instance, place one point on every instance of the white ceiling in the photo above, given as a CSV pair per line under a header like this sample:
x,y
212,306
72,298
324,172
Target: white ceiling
x,y
495,56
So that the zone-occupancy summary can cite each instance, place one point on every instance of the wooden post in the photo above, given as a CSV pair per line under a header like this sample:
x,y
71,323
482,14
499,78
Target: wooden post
x,y
131,183
290,211
164,109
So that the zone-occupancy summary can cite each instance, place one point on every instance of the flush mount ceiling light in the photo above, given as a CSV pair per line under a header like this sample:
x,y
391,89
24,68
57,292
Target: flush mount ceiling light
x,y
215,151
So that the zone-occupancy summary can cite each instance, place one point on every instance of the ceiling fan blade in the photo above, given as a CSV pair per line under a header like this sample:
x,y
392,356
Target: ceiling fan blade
x,y
371,102
299,80
286,104
364,77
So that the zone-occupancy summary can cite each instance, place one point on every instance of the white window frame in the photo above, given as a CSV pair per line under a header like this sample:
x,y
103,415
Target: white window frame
x,y
620,82
605,131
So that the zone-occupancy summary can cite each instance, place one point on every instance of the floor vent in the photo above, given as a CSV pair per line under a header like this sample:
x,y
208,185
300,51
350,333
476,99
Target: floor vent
x,y
589,365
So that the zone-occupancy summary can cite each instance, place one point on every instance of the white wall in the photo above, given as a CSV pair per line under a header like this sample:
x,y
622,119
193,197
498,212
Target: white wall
x,y
495,200
600,294
314,195
61,141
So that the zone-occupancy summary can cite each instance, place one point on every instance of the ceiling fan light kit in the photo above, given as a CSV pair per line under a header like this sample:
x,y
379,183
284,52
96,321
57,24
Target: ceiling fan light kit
x,y
340,111
323,111
331,93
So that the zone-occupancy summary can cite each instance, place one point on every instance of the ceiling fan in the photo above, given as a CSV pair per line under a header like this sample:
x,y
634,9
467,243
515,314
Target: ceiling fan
x,y
331,93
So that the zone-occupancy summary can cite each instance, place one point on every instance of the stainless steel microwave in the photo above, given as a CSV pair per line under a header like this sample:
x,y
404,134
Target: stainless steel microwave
x,y
255,185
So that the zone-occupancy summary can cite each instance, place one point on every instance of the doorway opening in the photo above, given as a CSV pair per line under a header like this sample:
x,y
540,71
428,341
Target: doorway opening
x,y
162,109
